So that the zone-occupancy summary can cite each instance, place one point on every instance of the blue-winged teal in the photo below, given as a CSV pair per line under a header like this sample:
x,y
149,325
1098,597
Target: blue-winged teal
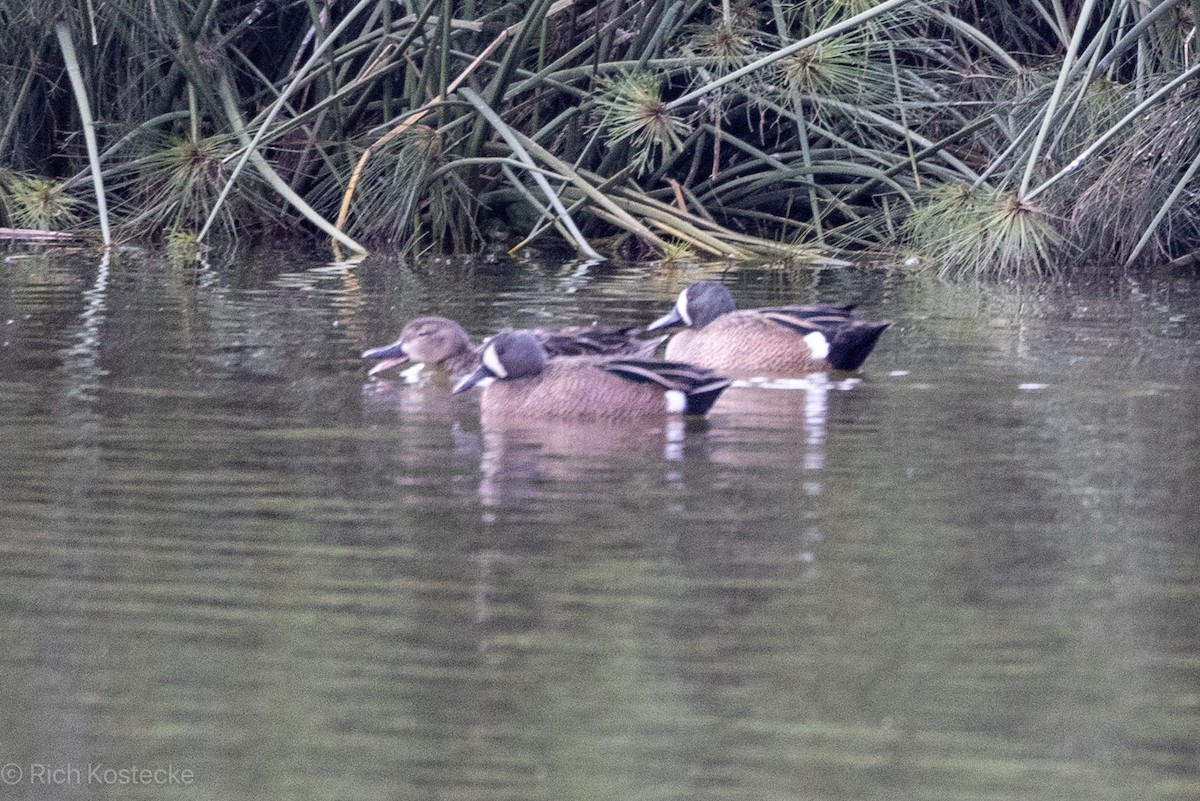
x,y
441,342
782,340
528,384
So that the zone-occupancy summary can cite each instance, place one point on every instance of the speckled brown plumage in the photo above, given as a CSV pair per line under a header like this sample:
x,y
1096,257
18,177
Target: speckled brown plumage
x,y
574,386
744,344
776,341
526,384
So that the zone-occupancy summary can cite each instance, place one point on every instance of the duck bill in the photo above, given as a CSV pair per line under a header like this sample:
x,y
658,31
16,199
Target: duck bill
x,y
392,351
670,318
387,364
481,373
392,355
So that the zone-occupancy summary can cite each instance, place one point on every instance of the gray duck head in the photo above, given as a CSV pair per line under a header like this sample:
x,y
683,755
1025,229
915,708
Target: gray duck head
x,y
697,306
517,354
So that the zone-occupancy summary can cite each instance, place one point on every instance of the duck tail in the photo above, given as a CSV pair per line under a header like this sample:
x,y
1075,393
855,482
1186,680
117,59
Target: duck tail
x,y
688,389
852,344
701,398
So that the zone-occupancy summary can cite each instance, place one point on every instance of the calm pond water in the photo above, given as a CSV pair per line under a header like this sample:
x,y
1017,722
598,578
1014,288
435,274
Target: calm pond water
x,y
971,572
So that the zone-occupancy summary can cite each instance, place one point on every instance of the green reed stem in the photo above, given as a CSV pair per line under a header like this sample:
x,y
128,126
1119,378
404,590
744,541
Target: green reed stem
x,y
89,127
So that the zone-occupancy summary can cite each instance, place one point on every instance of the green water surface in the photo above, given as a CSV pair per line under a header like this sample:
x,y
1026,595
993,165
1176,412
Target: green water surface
x,y
971,571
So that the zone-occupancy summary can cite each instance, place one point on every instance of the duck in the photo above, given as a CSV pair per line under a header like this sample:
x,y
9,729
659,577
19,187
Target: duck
x,y
522,382
444,344
775,341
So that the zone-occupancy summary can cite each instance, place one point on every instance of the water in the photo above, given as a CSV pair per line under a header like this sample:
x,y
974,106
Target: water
x,y
972,572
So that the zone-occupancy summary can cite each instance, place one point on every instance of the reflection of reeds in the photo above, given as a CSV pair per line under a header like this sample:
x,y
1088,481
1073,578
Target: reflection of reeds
x,y
992,137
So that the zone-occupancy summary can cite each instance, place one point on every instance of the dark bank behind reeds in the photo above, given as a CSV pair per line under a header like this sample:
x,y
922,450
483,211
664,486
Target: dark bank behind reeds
x,y
985,137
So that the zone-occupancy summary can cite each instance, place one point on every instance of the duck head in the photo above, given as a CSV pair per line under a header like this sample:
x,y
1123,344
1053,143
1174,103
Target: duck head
x,y
697,306
517,354
428,340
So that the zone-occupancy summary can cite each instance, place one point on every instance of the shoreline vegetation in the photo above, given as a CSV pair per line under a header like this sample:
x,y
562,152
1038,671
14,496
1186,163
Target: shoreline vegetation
x,y
986,137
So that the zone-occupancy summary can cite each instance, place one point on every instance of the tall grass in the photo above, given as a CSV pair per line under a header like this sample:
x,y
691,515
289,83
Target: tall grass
x,y
989,137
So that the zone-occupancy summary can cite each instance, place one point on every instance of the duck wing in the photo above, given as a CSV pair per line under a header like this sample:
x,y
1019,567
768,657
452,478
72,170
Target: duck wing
x,y
596,340
699,386
823,317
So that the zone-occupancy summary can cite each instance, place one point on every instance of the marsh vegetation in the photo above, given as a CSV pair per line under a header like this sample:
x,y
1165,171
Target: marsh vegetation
x,y
985,136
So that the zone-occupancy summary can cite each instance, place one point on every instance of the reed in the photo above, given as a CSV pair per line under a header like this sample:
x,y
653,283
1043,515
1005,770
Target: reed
x,y
992,138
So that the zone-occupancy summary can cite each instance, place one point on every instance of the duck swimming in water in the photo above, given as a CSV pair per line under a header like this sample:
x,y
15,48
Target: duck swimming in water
x,y
774,341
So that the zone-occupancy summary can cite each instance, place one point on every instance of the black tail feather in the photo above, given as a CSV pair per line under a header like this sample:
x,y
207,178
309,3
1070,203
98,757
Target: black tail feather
x,y
701,399
852,344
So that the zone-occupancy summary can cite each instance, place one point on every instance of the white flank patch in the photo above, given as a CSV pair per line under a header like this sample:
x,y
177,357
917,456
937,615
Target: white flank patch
x,y
676,401
492,362
818,344
681,307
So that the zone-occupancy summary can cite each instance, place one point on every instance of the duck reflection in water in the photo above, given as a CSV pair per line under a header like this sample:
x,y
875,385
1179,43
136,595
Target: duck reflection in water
x,y
781,425
794,411
550,468
427,399
593,473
